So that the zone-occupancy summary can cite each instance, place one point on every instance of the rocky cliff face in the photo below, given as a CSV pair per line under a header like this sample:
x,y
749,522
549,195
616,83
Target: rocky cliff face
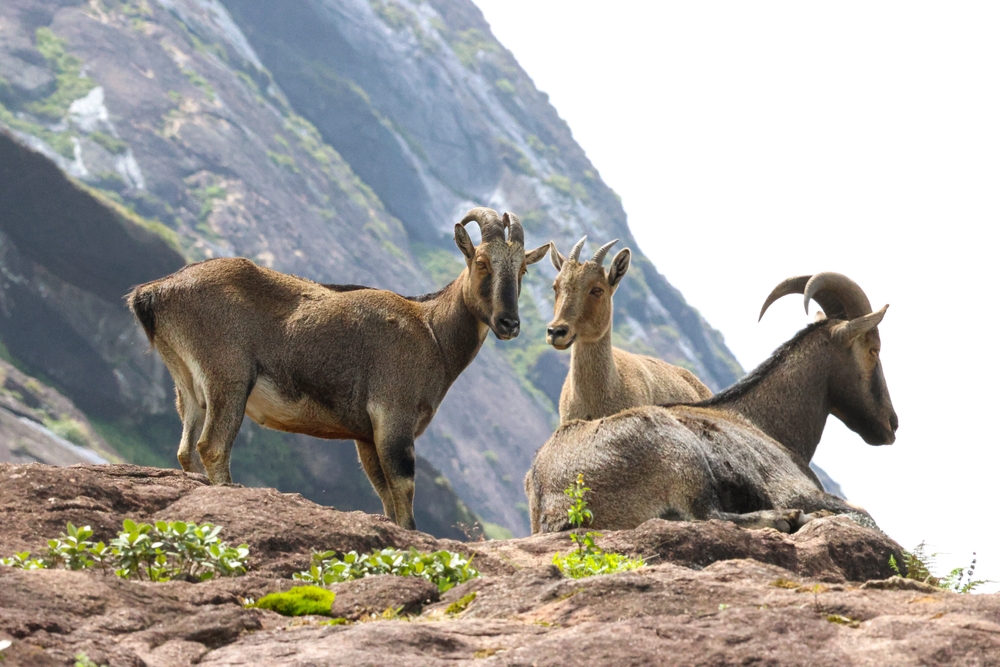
x,y
336,139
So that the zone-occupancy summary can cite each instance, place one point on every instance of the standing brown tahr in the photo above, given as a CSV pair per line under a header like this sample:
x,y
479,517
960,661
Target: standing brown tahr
x,y
603,379
330,361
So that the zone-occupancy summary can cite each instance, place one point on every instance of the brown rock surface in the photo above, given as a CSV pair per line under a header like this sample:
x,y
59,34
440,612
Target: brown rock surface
x,y
709,595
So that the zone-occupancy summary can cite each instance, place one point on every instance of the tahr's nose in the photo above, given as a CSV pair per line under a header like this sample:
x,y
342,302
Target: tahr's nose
x,y
508,326
557,332
894,422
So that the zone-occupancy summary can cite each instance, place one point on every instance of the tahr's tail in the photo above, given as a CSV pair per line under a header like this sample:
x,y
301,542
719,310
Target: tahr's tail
x,y
141,301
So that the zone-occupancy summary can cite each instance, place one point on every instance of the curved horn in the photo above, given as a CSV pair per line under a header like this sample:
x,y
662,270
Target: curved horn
x,y
831,302
574,254
602,252
490,224
853,301
513,223
795,285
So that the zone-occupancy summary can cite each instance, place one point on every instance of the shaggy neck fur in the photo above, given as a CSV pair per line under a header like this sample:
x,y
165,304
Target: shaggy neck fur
x,y
787,395
457,330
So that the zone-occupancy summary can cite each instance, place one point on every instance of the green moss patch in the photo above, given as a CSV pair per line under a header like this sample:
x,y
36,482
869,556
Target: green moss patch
x,y
300,601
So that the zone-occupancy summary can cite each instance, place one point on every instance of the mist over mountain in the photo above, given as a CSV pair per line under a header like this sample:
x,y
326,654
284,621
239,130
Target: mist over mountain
x,y
339,140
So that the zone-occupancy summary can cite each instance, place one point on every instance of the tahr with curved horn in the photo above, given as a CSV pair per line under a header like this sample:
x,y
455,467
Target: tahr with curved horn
x,y
742,455
331,361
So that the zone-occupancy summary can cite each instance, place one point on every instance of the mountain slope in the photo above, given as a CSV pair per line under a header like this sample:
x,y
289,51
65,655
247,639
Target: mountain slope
x,y
336,139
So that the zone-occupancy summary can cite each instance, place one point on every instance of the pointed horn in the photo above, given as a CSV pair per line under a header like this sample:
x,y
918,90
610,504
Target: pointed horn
x,y
490,224
513,223
848,331
602,252
795,285
851,299
574,254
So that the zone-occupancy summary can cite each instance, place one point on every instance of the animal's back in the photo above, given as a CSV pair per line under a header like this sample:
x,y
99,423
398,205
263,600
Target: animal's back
x,y
657,382
316,353
648,462
623,461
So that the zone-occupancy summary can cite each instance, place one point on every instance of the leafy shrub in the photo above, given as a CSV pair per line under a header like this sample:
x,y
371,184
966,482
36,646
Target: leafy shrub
x,y
163,551
444,568
920,565
587,559
299,601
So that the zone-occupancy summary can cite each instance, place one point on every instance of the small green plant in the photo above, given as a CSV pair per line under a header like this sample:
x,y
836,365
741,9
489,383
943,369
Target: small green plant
x,y
920,565
444,568
336,621
164,551
299,601
843,620
82,660
587,559
23,561
461,604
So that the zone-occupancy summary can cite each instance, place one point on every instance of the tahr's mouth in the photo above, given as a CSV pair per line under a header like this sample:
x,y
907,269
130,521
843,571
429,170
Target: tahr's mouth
x,y
564,345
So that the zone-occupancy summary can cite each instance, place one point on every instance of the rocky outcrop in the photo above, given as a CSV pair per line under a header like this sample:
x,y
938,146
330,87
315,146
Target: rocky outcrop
x,y
711,594
335,139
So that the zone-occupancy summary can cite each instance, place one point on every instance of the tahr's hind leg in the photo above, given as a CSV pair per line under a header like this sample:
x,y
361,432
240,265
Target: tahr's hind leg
x,y
368,455
227,401
193,417
189,408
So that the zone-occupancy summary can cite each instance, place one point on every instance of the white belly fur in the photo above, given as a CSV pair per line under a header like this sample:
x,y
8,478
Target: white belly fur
x,y
266,407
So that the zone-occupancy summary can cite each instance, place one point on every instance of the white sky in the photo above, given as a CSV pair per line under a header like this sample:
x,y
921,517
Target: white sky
x,y
754,141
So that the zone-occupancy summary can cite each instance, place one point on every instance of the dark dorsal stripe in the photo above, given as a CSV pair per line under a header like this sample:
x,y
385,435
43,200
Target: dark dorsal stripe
x,y
355,288
347,288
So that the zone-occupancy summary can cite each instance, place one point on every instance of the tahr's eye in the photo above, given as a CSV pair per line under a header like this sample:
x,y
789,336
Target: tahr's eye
x,y
597,291
874,352
480,265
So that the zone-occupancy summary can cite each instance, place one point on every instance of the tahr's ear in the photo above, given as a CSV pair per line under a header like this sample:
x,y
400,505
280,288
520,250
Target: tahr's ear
x,y
846,332
557,258
619,267
464,243
536,254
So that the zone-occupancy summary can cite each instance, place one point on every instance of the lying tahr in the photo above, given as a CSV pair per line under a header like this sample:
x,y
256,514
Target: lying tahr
x,y
330,361
742,455
603,379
